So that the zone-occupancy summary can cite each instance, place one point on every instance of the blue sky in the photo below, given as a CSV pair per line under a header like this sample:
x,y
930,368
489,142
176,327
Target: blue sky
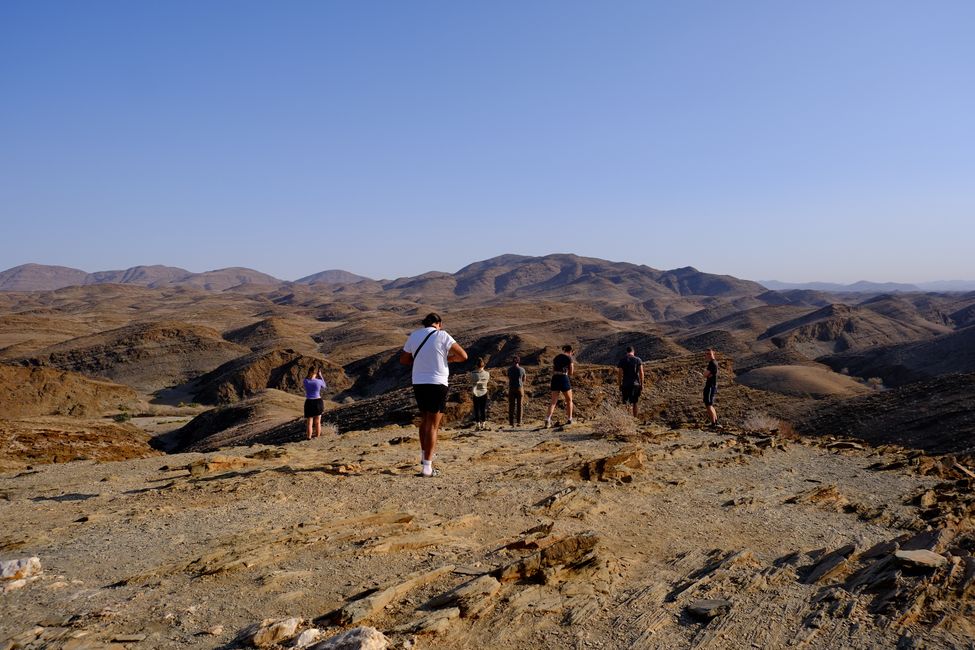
x,y
795,141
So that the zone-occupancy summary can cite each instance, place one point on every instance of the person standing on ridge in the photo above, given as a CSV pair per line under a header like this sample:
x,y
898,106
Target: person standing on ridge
x,y
562,368
479,379
516,392
314,384
711,386
428,350
629,371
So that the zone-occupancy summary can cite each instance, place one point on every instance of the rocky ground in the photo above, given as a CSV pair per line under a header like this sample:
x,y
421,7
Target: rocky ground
x,y
594,536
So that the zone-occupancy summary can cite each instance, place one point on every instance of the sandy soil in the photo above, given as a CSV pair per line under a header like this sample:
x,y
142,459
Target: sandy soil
x,y
156,555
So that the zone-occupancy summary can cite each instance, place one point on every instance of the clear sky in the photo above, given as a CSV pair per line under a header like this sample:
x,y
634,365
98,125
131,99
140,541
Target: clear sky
x,y
830,140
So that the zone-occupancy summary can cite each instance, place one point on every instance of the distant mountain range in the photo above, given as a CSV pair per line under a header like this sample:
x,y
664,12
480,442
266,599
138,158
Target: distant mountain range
x,y
42,277
560,275
871,287
563,275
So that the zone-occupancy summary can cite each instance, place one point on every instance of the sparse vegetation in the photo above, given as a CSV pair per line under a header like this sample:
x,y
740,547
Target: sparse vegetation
x,y
615,421
122,417
875,383
761,422
329,430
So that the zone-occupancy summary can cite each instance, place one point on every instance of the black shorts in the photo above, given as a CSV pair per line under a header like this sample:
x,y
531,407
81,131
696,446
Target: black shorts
x,y
630,394
430,398
314,407
560,383
709,392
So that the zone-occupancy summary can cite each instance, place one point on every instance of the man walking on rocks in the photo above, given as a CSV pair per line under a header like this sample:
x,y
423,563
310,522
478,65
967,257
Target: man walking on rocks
x,y
629,371
516,392
711,386
429,350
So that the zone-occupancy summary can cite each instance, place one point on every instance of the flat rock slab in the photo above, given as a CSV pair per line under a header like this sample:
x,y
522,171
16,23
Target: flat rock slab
x,y
708,609
921,558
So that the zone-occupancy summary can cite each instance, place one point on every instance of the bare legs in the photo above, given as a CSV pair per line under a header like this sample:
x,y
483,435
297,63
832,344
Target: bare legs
x,y
429,425
713,413
316,424
555,400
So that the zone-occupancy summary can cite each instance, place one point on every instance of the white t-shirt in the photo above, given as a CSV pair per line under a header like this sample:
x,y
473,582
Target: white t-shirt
x,y
430,366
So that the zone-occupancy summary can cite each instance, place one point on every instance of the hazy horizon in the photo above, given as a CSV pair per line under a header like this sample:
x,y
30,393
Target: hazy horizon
x,y
802,143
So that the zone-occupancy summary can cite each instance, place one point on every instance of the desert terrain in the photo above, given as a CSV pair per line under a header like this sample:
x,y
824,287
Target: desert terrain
x,y
154,461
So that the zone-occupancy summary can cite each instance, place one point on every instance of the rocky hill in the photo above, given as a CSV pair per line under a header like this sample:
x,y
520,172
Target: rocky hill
x,y
147,276
46,391
40,277
904,363
934,415
145,356
837,328
332,276
283,369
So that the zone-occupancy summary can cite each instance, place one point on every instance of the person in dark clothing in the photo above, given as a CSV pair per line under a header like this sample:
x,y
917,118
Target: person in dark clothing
x,y
516,392
711,386
562,368
629,371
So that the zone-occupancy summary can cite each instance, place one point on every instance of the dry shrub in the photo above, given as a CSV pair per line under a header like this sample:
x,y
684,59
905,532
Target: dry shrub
x,y
761,422
614,421
329,430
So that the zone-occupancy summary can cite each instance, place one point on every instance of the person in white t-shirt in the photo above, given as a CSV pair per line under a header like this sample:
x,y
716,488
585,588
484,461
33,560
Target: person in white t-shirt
x,y
428,350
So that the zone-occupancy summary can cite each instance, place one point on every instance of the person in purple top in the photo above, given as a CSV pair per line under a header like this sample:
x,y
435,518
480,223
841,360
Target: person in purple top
x,y
314,404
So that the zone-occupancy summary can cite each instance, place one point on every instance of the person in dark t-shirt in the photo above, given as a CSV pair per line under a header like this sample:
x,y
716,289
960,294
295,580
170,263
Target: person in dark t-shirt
x,y
516,392
711,386
562,368
629,371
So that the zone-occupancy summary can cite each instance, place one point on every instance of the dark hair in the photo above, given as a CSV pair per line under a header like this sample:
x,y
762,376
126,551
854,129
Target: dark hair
x,y
567,348
432,319
629,349
517,359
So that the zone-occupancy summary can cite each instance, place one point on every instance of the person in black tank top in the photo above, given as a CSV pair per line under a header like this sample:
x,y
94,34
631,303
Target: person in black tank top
x,y
562,368
711,386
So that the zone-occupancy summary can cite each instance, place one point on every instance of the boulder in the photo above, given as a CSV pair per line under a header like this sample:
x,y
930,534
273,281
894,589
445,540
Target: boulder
x,y
358,638
269,632
20,569
306,638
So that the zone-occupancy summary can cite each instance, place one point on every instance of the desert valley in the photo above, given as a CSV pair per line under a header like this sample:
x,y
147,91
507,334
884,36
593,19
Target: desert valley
x,y
154,461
